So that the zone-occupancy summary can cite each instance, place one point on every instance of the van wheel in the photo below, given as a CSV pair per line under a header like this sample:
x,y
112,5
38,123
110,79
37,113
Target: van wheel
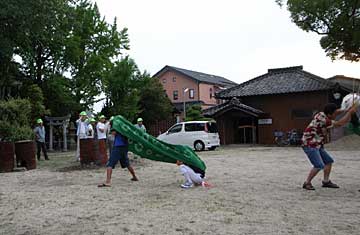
x,y
212,148
199,145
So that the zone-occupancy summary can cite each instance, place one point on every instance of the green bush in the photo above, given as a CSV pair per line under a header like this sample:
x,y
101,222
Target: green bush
x,y
16,111
22,133
15,120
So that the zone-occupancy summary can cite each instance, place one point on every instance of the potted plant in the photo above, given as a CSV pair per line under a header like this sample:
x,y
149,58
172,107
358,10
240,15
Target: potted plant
x,y
7,148
15,128
25,150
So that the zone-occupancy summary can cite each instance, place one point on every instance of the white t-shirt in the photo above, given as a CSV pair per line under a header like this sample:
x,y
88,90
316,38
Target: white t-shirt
x,y
91,131
101,135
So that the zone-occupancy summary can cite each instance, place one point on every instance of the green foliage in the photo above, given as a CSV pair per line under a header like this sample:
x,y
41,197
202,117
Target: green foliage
x,y
14,120
34,94
59,97
133,94
154,104
16,111
194,113
22,133
122,89
91,46
57,37
338,21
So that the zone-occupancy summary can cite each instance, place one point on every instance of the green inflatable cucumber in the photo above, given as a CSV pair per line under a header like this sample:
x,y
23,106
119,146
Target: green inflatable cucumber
x,y
147,146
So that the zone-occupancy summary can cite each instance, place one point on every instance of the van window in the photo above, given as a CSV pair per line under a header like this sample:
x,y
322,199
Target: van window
x,y
212,127
194,127
175,129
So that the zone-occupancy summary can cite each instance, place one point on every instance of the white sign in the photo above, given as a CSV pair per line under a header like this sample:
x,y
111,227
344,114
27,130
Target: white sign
x,y
265,121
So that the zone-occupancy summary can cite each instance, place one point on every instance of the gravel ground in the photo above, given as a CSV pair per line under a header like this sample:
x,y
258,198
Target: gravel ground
x,y
256,190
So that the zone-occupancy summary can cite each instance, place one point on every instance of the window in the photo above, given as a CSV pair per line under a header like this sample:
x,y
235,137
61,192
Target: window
x,y
194,127
300,113
164,80
212,127
175,129
174,79
211,93
175,95
191,94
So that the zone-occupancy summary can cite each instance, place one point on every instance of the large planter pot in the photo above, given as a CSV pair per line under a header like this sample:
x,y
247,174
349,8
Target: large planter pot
x,y
25,154
87,151
102,152
7,160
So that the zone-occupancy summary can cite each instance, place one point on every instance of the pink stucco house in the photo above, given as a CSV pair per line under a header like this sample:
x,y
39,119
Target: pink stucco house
x,y
192,87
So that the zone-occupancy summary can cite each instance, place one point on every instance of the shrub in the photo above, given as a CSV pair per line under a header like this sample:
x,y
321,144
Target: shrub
x,y
15,120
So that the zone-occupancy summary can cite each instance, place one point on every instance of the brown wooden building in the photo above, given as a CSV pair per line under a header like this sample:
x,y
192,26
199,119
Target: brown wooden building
x,y
280,100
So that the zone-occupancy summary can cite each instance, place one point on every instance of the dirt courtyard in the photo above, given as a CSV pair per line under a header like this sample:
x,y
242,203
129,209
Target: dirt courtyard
x,y
257,190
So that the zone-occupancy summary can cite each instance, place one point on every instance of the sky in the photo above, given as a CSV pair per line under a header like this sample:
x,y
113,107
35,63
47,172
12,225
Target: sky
x,y
235,39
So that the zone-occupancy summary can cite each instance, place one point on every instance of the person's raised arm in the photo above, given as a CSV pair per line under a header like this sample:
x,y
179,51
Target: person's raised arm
x,y
346,118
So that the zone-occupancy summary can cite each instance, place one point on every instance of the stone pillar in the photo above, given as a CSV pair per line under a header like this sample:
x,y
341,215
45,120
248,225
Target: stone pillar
x,y
64,137
51,138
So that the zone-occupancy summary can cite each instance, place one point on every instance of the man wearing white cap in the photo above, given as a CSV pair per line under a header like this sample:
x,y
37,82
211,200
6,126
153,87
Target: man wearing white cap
x,y
81,132
140,124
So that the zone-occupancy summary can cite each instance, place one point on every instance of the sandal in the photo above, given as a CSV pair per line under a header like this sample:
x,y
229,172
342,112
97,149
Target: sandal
x,y
308,186
104,185
329,184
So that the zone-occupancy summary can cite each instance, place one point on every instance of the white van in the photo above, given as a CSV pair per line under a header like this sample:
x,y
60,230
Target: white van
x,y
195,134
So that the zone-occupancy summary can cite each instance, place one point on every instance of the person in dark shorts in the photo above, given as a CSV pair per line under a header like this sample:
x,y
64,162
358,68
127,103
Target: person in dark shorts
x,y
119,153
313,141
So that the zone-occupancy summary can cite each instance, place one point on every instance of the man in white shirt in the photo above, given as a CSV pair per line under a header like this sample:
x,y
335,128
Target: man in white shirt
x,y
92,129
101,135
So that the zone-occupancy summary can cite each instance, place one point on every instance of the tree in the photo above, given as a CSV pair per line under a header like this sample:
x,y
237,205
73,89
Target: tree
x,y
338,21
58,96
91,47
44,26
121,89
154,104
193,113
35,96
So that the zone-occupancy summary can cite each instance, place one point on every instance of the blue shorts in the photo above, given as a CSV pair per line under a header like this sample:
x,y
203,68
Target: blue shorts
x,y
318,157
119,153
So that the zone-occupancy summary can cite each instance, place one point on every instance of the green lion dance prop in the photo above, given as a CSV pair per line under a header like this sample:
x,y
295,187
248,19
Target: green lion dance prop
x,y
149,147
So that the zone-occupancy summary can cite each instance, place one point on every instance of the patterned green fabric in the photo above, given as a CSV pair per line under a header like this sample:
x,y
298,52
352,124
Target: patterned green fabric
x,y
149,147
351,129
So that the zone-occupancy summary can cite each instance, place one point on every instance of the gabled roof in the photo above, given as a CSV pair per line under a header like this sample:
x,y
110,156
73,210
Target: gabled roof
x,y
352,84
278,81
232,104
198,76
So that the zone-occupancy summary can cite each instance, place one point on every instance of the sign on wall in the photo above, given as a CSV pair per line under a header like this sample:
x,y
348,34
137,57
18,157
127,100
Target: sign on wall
x,y
265,121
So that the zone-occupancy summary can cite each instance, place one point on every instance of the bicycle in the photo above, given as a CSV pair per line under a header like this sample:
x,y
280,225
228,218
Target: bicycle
x,y
290,138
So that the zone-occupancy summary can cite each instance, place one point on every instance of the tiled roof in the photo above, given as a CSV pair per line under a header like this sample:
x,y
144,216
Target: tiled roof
x,y
278,81
352,84
232,104
200,77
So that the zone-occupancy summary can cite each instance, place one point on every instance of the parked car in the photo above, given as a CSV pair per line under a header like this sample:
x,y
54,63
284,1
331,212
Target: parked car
x,y
195,134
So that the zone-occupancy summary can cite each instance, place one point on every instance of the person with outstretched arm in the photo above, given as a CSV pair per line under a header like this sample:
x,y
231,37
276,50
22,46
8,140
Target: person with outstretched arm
x,y
313,141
